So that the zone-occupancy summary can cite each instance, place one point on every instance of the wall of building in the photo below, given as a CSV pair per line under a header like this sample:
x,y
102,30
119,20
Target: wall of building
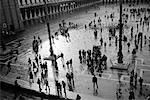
x,y
33,11
11,17
20,13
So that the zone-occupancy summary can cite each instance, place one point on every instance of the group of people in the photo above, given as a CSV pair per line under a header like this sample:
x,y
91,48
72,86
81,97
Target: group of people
x,y
70,75
93,59
133,85
140,39
38,70
37,66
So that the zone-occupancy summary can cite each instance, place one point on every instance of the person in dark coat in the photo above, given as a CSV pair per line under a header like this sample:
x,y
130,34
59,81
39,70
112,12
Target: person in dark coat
x,y
78,97
94,80
64,87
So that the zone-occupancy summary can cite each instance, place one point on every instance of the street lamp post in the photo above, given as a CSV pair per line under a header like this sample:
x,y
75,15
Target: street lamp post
x,y
120,54
51,57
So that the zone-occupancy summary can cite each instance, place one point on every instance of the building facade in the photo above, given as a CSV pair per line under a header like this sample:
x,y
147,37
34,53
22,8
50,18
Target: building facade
x,y
10,15
16,14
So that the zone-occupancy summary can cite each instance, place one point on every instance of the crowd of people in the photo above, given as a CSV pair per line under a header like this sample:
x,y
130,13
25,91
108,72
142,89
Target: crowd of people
x,y
38,70
94,59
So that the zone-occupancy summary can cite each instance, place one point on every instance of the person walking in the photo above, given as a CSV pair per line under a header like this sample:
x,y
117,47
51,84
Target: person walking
x,y
60,89
116,41
101,41
132,32
78,97
40,42
64,87
105,46
145,40
135,79
29,62
30,78
128,44
47,86
95,85
72,79
39,83
141,83
95,34
9,67
35,46
131,95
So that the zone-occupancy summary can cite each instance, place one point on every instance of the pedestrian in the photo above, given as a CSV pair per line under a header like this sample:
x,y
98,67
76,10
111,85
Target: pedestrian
x,y
40,42
64,87
16,90
80,58
34,68
95,34
9,67
29,62
137,27
78,97
128,44
95,85
101,30
72,78
141,83
147,26
47,86
59,89
35,45
105,46
53,39
68,76
56,68
131,82
131,95
135,79
109,40
132,32
39,83
101,41
67,63
40,60
37,61
116,41
145,40
71,65
85,26
31,78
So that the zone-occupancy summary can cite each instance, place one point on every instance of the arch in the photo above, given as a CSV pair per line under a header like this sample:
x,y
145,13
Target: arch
x,y
52,9
127,1
28,13
41,12
30,1
58,8
35,1
23,14
37,12
49,10
33,13
55,9
20,2
26,2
